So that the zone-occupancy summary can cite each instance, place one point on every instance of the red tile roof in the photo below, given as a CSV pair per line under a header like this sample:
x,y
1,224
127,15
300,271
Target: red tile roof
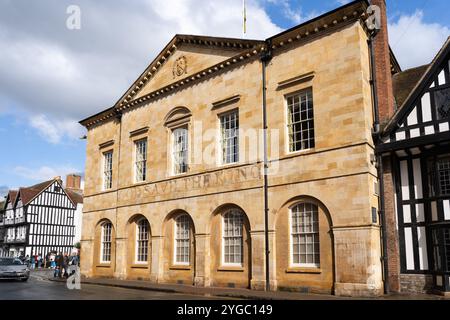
x,y
75,196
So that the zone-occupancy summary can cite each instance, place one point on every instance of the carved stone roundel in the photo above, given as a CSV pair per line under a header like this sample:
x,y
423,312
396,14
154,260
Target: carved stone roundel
x,y
180,67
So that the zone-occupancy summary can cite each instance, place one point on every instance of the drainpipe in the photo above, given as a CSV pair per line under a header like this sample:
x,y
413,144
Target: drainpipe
x,y
376,133
265,57
118,117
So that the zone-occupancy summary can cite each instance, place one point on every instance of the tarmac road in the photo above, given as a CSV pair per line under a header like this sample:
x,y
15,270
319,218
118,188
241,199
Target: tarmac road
x,y
38,288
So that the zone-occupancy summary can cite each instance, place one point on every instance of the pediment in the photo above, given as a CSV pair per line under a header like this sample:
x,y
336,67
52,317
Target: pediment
x,y
186,61
184,56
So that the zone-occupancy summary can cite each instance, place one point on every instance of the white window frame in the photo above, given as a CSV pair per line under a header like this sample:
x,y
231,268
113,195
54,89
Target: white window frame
x,y
291,241
187,220
288,119
142,161
104,170
102,242
223,139
224,236
175,164
138,241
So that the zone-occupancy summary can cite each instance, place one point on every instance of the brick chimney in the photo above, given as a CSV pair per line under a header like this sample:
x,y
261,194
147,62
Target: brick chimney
x,y
383,66
73,181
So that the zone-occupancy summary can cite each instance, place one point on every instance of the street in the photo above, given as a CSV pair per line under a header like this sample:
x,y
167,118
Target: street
x,y
38,288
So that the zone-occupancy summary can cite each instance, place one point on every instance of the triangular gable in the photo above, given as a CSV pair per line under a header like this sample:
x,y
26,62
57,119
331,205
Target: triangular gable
x,y
11,198
199,52
424,111
186,61
51,187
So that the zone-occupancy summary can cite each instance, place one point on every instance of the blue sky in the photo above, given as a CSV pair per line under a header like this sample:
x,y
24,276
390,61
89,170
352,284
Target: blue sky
x,y
51,77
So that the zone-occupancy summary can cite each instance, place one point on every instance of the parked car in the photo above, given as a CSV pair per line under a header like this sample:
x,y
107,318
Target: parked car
x,y
13,268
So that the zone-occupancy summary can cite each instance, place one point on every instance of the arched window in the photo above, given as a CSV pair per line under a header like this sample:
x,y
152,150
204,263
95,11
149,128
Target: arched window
x,y
182,239
305,246
142,237
106,239
232,240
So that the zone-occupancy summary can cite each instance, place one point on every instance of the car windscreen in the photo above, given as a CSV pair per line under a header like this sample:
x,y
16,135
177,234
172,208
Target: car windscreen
x,y
9,262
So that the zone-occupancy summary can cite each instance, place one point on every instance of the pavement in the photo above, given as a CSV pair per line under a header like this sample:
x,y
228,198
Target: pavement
x,y
223,293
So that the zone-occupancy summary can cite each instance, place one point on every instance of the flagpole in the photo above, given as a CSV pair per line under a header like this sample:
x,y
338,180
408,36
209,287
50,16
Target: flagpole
x,y
244,21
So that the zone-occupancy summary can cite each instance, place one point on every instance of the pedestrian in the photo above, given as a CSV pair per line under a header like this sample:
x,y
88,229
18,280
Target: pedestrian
x,y
75,260
66,265
33,262
52,261
60,263
47,260
57,272
39,260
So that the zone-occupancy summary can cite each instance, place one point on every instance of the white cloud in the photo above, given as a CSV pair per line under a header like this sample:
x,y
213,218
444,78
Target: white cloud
x,y
295,15
45,172
414,41
55,130
343,2
57,76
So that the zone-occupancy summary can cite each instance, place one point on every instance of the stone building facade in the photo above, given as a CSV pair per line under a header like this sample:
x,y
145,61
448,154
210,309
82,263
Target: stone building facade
x,y
174,182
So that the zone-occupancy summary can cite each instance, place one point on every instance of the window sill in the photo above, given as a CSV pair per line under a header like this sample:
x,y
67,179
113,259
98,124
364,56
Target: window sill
x,y
139,266
228,165
139,183
303,270
180,267
300,152
103,265
230,269
178,175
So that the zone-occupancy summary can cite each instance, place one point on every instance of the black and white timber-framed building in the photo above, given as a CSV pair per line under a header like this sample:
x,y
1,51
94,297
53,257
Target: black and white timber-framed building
x,y
415,146
40,219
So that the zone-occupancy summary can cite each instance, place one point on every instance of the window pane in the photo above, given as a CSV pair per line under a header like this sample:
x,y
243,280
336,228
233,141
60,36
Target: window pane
x,y
107,170
305,235
443,167
232,236
229,125
182,239
141,160
106,242
142,241
180,150
442,101
300,121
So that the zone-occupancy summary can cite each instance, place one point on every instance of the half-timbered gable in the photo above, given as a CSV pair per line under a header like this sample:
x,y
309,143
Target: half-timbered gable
x,y
41,218
417,142
426,109
50,215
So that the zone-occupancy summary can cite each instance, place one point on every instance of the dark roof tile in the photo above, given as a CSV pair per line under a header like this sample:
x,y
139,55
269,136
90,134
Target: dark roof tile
x,y
403,82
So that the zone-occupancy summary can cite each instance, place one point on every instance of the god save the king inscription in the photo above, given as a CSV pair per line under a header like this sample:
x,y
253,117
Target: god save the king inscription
x,y
217,180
